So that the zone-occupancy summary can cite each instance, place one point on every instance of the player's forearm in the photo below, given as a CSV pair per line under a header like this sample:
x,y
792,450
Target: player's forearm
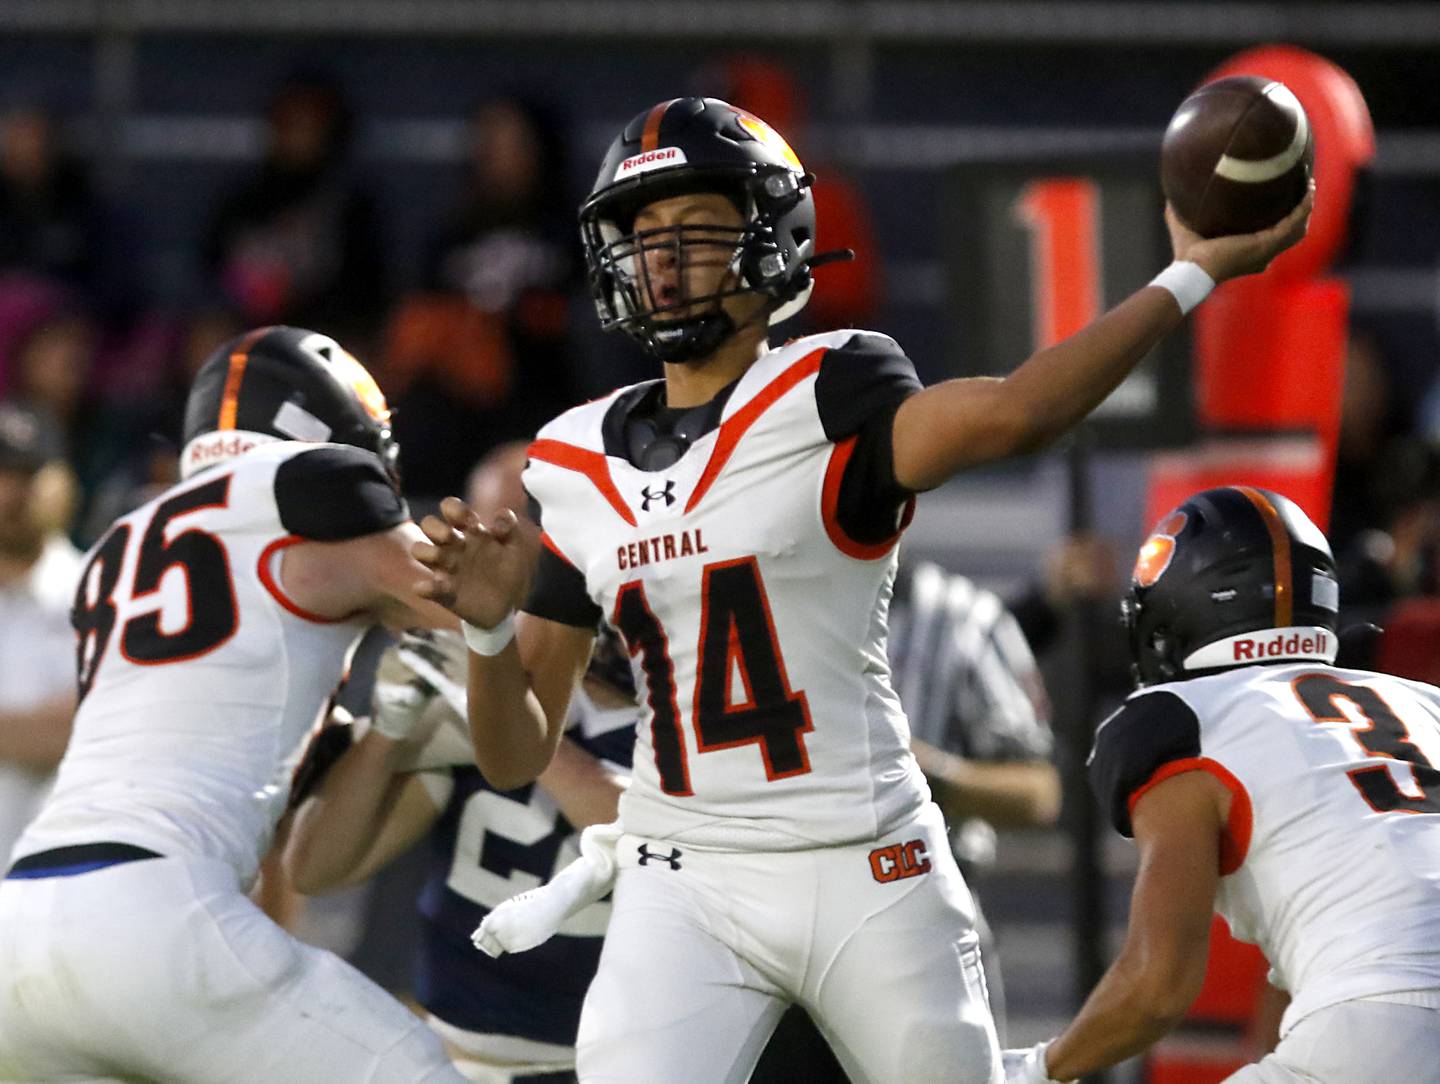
x,y
513,738
335,828
1020,794
1128,1011
962,423
36,738
585,791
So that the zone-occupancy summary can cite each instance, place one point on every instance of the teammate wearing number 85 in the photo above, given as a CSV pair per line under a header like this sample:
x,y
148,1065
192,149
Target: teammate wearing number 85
x,y
1299,799
213,625
736,521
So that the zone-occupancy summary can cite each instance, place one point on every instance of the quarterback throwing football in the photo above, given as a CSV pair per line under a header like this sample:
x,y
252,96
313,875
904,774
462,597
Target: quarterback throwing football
x,y
736,521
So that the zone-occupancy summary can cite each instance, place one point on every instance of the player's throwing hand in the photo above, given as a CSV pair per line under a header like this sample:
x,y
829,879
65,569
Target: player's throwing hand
x,y
479,572
1239,254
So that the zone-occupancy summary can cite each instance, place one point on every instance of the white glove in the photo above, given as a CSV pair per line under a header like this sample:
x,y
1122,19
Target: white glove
x,y
420,698
398,706
1026,1066
533,917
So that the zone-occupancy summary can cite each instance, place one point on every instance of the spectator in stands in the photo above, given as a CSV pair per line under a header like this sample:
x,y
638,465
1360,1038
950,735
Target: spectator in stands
x,y
483,353
51,224
1399,556
38,573
300,241
847,294
51,369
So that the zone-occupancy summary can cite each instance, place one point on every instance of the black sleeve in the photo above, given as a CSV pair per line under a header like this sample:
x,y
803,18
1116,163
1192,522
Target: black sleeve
x,y
1148,732
860,381
557,593
859,388
336,492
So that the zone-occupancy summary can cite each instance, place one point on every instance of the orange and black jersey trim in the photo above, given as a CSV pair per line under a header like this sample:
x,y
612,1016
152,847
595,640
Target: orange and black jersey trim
x,y
859,387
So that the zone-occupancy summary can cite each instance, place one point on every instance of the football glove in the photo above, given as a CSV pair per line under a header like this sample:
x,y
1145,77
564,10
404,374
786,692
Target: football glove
x,y
1026,1066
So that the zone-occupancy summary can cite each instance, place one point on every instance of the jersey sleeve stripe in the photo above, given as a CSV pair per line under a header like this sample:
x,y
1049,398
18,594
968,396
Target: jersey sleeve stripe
x,y
830,504
549,544
1235,838
589,463
734,427
267,577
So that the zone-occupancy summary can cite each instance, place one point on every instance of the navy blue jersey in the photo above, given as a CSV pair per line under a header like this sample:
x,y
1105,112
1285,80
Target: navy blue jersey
x,y
487,846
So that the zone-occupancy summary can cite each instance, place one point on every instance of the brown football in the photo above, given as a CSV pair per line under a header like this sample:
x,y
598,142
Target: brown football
x,y
1237,156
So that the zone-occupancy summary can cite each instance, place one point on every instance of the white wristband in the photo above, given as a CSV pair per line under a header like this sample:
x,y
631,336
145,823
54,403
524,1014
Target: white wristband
x,y
489,641
1187,282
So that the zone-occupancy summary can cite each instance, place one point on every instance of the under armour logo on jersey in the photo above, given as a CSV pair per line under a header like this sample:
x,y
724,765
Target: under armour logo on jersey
x,y
667,492
673,858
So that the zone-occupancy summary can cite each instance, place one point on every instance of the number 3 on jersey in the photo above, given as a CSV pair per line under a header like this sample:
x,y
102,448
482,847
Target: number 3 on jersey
x,y
1383,735
738,653
211,616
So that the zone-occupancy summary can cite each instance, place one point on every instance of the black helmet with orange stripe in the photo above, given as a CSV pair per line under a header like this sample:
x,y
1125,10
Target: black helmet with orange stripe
x,y
1233,577
684,146
283,383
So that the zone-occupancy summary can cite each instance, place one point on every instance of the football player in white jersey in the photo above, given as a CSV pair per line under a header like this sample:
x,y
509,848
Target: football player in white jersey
x,y
214,623
736,521
1299,799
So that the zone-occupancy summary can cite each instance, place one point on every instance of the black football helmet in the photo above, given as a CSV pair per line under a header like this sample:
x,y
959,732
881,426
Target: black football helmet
x,y
1232,577
690,145
283,383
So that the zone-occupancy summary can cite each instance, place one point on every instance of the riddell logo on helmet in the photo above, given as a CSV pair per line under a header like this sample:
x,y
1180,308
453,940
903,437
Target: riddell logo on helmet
x,y
656,159
1277,647
220,447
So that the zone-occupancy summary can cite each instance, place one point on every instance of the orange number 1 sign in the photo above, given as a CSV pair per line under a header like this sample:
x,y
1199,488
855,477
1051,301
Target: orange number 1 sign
x,y
1062,216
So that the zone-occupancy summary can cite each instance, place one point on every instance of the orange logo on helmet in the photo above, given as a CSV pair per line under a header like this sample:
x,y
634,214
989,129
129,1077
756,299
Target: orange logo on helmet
x,y
770,137
1158,550
350,372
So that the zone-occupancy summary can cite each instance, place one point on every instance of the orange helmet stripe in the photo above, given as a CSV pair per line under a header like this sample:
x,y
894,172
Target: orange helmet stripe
x,y
230,398
1280,547
650,138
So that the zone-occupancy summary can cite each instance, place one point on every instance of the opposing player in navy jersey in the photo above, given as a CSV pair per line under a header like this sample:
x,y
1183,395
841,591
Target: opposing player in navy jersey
x,y
1299,799
736,521
213,625
513,1018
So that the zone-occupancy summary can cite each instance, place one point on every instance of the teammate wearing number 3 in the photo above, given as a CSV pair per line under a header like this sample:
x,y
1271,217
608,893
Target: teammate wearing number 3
x,y
213,626
1299,799
736,521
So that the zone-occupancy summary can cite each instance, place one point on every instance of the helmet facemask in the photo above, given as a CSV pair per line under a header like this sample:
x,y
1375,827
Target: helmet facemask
x,y
667,286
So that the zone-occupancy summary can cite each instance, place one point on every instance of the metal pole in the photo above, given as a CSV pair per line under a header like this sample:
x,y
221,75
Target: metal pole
x,y
1088,880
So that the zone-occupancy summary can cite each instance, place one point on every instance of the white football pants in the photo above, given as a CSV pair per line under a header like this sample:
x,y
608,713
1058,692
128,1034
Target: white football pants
x,y
706,948
1355,1042
163,970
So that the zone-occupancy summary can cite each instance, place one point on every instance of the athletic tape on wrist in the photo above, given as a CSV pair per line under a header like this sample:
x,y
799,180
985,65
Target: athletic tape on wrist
x,y
1187,282
489,641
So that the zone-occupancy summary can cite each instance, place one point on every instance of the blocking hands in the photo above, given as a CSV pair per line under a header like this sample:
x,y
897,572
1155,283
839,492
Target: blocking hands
x,y
1239,254
478,571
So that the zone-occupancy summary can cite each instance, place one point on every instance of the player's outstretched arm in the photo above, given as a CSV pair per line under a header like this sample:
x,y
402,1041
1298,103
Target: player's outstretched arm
x,y
360,818
517,695
1162,964
962,423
